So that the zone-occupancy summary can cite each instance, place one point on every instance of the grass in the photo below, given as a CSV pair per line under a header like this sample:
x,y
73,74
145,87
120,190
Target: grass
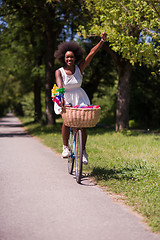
x,y
126,163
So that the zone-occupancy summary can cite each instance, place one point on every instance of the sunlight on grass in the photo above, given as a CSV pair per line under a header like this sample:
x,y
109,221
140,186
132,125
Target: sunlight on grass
x,y
127,163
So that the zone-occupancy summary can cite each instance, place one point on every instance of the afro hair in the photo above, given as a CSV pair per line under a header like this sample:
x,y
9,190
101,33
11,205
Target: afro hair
x,y
69,46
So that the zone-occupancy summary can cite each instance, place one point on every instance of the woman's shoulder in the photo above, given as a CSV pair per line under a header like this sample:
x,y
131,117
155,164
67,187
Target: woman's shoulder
x,y
78,69
59,70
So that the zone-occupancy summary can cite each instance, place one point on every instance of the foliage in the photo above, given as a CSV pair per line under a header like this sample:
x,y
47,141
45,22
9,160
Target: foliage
x,y
100,72
106,98
133,36
28,105
145,99
16,63
132,28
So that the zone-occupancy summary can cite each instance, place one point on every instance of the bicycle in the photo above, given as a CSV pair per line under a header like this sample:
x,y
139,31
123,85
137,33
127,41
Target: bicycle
x,y
76,151
77,119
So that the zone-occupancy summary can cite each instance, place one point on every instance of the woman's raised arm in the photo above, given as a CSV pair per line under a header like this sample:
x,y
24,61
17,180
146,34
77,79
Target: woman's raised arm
x,y
91,54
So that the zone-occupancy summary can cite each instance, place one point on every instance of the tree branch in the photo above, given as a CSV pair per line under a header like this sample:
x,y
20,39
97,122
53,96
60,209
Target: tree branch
x,y
144,29
152,3
124,7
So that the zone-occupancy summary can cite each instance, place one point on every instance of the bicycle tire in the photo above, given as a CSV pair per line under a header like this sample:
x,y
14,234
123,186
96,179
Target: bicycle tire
x,y
78,156
71,156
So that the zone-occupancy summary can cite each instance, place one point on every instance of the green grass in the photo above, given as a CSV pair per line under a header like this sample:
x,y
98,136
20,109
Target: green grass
x,y
126,163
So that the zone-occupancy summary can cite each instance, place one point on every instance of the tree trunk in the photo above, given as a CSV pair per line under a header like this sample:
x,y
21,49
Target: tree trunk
x,y
37,94
37,100
49,76
123,96
124,69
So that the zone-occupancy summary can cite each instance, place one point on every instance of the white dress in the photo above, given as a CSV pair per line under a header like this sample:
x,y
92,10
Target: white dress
x,y
74,94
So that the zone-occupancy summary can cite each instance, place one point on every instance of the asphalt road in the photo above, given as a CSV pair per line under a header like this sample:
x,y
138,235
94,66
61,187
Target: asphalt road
x,y
39,200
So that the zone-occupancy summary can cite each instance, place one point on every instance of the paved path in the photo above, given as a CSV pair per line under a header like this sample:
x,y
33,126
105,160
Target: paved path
x,y
39,200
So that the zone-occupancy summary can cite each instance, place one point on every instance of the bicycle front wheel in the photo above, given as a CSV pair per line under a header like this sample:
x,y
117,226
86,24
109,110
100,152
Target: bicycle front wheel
x,y
71,155
78,156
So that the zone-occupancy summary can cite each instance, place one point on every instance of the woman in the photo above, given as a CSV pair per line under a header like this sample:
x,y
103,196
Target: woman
x,y
70,77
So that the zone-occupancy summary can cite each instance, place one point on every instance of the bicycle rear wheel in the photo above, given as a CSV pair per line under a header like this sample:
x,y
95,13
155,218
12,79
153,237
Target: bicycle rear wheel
x,y
78,156
71,156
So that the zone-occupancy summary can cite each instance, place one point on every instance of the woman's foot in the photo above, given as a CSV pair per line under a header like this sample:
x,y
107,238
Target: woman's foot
x,y
65,152
85,157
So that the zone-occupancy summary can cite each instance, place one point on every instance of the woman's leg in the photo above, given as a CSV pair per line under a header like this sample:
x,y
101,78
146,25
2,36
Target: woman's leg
x,y
65,134
84,137
84,140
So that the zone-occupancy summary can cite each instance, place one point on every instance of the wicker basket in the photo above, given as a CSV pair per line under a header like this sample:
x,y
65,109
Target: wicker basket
x,y
80,117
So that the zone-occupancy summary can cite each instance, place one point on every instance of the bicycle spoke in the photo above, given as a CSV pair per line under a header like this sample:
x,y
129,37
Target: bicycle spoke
x,y
71,157
78,155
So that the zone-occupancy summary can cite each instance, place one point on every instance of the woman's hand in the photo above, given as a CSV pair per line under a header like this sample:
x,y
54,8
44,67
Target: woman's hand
x,y
62,102
103,36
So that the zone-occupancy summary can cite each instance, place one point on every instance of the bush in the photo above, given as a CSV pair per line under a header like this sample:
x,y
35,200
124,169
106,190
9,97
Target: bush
x,y
28,105
3,109
107,103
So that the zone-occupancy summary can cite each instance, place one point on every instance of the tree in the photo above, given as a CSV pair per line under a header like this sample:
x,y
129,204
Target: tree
x,y
24,56
133,36
44,19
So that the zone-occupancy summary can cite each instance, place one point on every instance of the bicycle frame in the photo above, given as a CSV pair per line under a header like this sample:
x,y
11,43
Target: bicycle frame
x,y
76,153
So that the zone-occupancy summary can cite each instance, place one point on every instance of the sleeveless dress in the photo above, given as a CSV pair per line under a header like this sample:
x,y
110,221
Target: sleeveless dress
x,y
74,94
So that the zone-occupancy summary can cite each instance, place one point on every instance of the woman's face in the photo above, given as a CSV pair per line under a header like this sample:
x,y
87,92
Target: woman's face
x,y
69,58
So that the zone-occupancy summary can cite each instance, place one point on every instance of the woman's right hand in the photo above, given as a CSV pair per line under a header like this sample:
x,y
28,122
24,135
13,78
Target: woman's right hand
x,y
62,102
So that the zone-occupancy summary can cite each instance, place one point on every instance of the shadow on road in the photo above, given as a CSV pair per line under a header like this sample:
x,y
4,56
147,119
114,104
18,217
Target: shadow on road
x,y
13,135
9,125
11,128
85,180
